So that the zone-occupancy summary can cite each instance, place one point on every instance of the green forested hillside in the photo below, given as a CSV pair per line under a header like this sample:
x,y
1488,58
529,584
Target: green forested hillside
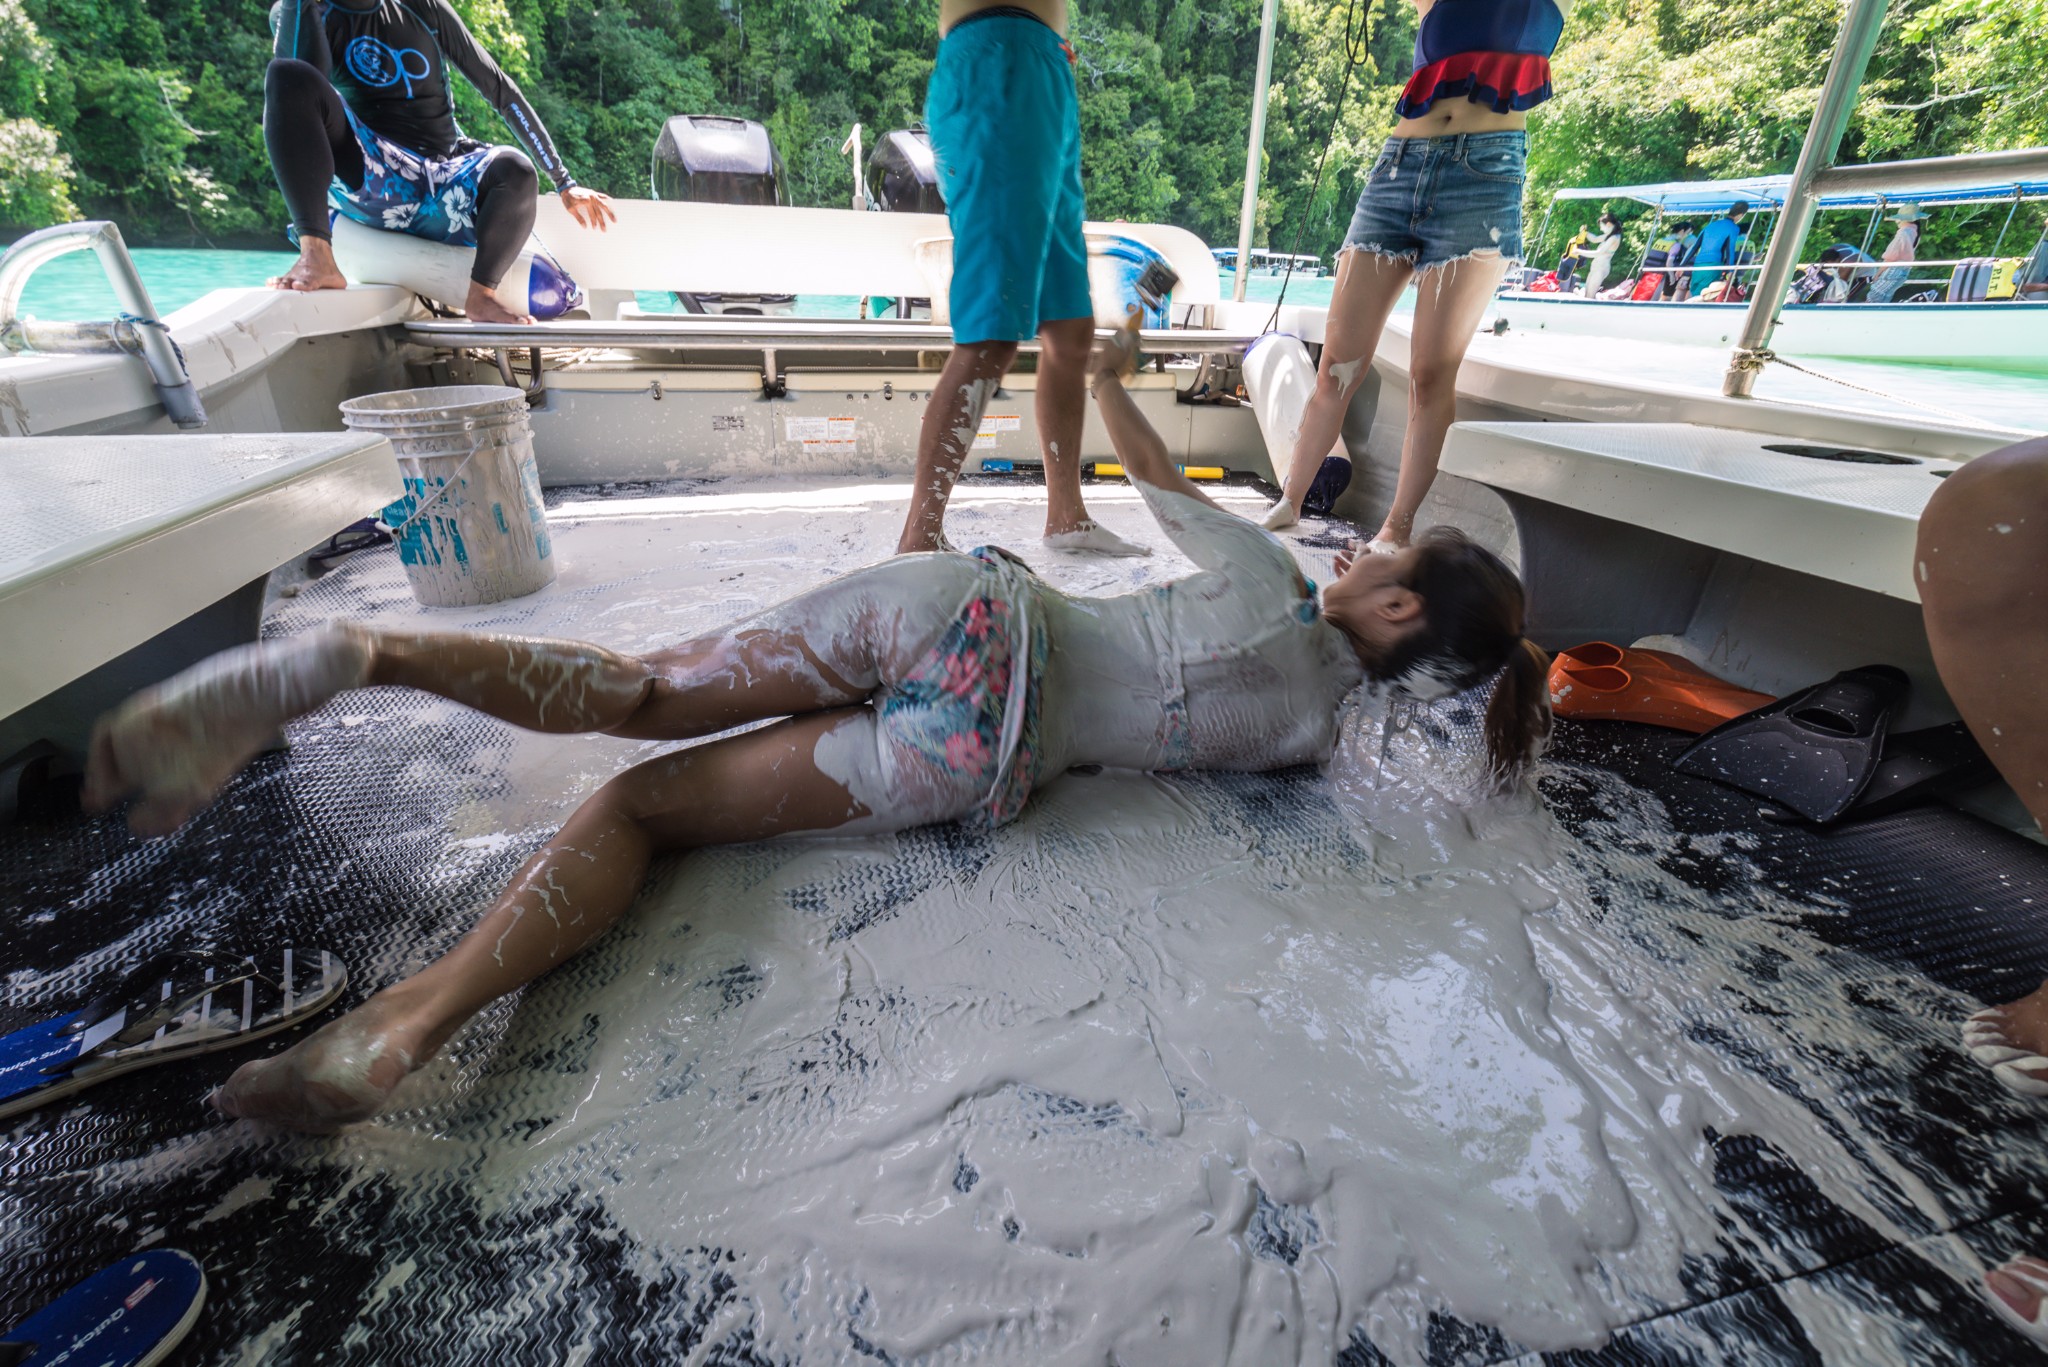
x,y
147,110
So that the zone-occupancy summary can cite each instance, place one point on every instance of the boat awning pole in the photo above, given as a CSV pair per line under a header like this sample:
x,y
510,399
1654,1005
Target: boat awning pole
x,y
1823,142
1248,213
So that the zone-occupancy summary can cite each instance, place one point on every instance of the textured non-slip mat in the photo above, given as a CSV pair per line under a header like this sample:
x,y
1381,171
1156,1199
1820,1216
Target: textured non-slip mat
x,y
488,1220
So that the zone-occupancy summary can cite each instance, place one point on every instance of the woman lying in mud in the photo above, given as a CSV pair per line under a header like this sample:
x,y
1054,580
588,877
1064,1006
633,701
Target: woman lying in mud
x,y
928,688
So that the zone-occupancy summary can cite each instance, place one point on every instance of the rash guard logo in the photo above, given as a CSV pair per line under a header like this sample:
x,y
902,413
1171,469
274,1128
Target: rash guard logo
x,y
377,64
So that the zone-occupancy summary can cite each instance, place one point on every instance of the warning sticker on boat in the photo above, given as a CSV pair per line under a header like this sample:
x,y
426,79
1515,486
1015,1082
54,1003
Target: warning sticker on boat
x,y
821,433
728,422
985,439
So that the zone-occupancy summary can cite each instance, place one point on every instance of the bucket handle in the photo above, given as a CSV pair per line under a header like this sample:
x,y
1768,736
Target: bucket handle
x,y
469,429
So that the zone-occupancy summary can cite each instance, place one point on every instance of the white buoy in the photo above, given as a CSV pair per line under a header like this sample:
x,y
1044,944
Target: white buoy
x,y
535,284
1279,377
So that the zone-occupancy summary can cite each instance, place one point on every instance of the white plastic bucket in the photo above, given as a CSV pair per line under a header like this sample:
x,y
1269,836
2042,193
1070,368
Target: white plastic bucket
x,y
471,528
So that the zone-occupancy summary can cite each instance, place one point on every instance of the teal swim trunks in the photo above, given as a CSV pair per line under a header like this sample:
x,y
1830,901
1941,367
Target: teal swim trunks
x,y
1006,133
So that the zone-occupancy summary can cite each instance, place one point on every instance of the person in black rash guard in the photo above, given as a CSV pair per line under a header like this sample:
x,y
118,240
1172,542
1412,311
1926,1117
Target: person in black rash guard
x,y
357,108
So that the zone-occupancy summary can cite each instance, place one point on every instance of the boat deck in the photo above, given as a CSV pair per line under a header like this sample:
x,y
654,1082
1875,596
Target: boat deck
x,y
1747,1028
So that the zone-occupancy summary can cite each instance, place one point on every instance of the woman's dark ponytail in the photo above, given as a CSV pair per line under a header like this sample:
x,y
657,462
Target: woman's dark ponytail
x,y
1472,607
1518,718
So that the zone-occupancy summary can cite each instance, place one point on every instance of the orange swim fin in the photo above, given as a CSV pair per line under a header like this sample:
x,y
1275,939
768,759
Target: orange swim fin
x,y
1602,682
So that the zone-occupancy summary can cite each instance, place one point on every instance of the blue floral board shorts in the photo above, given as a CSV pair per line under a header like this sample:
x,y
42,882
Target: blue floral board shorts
x,y
409,192
970,706
1006,136
1429,201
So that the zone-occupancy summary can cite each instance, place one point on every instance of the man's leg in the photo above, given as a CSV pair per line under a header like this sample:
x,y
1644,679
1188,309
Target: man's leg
x,y
1063,360
306,129
973,372
507,201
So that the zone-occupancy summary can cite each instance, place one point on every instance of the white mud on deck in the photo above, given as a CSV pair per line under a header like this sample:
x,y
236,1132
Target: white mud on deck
x,y
1174,1071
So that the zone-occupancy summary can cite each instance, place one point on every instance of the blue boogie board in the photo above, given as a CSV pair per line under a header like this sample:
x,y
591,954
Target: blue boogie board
x,y
129,1315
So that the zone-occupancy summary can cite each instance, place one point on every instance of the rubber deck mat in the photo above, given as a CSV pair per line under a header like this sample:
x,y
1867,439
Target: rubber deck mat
x,y
338,843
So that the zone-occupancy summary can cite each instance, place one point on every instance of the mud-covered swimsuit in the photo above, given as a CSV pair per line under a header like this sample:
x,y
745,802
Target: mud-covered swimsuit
x,y
358,111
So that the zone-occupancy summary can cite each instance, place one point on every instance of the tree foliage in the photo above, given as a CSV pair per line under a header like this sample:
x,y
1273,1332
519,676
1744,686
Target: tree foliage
x,y
150,110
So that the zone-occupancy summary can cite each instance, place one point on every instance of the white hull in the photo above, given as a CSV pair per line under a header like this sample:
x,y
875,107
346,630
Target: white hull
x,y
1990,336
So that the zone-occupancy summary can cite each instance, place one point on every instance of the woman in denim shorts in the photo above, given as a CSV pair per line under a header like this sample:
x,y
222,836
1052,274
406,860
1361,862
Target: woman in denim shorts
x,y
1442,208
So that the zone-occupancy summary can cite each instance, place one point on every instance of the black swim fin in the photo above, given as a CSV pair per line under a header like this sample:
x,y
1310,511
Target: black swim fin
x,y
1920,765
1814,751
1333,477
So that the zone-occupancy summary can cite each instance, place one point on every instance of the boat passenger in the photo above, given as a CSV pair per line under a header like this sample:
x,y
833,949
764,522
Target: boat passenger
x,y
358,111
2031,280
926,688
1006,137
1833,278
1600,255
1980,563
1901,250
1721,244
1666,253
1441,209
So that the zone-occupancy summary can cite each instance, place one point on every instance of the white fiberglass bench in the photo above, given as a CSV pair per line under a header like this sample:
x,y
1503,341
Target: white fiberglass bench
x,y
1765,553
125,558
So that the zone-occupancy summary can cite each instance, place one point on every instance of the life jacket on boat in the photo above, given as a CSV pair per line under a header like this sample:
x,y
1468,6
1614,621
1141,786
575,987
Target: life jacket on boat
x,y
1492,52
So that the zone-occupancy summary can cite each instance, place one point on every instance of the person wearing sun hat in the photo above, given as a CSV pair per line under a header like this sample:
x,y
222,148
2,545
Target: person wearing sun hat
x,y
1899,254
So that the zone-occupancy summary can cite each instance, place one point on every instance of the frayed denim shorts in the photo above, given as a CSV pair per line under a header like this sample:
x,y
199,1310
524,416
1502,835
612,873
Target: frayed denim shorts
x,y
1431,200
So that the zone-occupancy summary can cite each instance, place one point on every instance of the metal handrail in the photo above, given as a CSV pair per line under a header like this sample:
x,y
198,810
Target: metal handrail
x,y
1816,172
137,332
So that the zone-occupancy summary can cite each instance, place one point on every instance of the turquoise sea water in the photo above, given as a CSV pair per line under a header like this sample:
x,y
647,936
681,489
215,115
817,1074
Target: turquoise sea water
x,y
72,287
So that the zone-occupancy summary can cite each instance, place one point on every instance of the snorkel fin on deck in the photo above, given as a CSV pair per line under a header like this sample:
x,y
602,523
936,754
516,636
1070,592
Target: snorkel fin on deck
x,y
1814,751
1601,682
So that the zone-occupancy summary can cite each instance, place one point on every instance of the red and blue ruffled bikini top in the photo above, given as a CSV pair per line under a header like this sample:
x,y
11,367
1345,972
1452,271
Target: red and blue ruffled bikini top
x,y
1492,52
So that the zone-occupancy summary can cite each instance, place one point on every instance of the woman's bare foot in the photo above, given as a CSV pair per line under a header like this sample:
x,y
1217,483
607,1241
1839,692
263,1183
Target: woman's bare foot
x,y
2012,1041
2018,1290
314,270
1392,538
342,1073
176,744
482,306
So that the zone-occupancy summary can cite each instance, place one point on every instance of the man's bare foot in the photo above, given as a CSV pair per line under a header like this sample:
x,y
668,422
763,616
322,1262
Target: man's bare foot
x,y
176,744
314,270
340,1074
2019,1290
1089,537
2012,1041
482,306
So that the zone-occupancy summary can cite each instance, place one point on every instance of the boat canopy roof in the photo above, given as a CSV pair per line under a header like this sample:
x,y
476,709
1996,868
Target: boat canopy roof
x,y
1769,192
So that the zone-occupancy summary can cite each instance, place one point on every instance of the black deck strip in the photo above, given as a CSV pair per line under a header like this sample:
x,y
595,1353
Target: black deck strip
x,y
320,847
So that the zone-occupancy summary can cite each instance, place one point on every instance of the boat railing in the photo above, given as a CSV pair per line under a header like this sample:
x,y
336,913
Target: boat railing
x,y
1816,174
135,331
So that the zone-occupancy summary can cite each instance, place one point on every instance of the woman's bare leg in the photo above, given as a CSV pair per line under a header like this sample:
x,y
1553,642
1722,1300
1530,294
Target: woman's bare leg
x,y
1367,287
747,787
176,744
1450,300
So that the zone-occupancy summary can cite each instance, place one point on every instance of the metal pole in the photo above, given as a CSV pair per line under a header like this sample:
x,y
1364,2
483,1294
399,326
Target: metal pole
x,y
1853,47
860,191
1248,212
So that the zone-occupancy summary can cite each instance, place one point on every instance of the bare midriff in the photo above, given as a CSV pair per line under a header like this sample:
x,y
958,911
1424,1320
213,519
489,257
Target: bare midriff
x,y
1447,118
1053,12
